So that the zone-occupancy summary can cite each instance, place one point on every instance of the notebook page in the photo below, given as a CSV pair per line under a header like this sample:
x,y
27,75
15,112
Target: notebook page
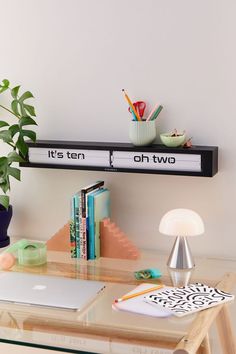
x,y
138,305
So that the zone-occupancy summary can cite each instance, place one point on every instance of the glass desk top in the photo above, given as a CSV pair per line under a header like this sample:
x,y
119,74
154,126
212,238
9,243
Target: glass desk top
x,y
98,328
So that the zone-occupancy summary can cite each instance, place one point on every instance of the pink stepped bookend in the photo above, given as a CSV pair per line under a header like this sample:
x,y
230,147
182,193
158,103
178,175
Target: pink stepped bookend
x,y
61,240
114,243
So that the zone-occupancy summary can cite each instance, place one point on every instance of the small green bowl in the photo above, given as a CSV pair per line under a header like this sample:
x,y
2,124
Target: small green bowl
x,y
172,141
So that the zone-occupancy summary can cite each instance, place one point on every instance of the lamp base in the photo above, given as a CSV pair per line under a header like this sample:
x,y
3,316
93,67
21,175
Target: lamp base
x,y
181,256
180,277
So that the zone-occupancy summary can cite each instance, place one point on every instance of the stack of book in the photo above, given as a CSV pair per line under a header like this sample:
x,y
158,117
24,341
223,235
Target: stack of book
x,y
88,207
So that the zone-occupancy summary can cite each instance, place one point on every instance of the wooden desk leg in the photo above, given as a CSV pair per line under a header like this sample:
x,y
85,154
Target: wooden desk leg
x,y
225,331
199,328
206,348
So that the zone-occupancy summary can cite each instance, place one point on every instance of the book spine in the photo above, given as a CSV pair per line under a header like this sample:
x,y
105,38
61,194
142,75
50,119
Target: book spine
x,y
87,225
77,227
72,229
82,217
91,227
93,186
82,228
101,211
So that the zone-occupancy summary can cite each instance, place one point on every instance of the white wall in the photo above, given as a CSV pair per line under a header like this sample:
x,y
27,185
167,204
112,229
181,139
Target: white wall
x,y
76,56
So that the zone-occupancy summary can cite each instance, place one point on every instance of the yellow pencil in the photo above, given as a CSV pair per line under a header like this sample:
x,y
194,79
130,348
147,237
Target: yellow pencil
x,y
126,297
131,105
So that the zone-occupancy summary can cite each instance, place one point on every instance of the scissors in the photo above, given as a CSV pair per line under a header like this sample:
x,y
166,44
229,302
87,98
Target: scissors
x,y
140,108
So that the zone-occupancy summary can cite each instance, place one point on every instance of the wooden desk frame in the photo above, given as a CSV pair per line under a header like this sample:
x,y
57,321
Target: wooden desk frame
x,y
198,333
195,341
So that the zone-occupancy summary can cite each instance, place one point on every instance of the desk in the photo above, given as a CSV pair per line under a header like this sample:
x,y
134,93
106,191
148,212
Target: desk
x,y
99,329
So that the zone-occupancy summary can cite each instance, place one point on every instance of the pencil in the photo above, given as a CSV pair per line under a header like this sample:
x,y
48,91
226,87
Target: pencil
x,y
131,105
126,297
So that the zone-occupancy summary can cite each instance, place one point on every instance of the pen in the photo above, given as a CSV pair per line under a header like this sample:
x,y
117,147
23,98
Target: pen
x,y
134,116
126,297
152,112
156,113
131,106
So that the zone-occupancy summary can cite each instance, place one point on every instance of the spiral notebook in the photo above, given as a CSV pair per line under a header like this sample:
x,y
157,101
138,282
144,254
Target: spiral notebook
x,y
188,299
138,305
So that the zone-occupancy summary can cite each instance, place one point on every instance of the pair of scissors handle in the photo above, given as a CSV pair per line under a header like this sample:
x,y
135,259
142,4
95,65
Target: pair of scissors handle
x,y
140,107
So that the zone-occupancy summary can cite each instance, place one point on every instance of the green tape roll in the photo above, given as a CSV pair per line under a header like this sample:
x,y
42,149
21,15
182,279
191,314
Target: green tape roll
x,y
32,253
29,253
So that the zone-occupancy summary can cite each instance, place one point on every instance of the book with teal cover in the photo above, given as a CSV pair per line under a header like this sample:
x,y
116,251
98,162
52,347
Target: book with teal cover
x,y
77,228
72,228
91,224
99,208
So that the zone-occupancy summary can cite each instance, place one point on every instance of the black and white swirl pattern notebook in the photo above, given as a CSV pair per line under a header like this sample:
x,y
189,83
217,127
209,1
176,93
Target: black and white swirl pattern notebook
x,y
188,299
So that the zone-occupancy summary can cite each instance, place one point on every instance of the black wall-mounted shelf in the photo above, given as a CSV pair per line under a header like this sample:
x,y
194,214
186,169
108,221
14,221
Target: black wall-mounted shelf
x,y
123,157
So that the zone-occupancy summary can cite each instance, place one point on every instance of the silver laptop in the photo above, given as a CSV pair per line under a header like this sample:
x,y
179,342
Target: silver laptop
x,y
50,291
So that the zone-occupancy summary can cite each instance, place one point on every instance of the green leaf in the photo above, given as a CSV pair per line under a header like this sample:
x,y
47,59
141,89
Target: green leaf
x,y
3,123
14,157
22,109
30,134
5,135
4,201
14,129
3,88
14,107
22,146
3,163
30,110
14,91
14,172
3,180
27,121
5,186
6,83
25,96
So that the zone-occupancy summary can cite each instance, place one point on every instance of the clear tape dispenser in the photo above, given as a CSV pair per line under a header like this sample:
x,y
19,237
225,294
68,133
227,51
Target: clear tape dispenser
x,y
27,252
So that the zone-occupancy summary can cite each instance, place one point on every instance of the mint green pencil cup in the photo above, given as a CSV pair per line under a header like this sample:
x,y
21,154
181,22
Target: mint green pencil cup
x,y
142,133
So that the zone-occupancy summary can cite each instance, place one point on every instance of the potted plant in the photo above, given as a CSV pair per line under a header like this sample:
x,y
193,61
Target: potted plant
x,y
13,132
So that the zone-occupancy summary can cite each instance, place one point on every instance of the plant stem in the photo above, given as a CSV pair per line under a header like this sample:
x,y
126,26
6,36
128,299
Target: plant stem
x,y
12,145
9,111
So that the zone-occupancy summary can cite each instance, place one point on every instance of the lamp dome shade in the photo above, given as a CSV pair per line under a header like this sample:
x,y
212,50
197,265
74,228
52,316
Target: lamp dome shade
x,y
181,222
